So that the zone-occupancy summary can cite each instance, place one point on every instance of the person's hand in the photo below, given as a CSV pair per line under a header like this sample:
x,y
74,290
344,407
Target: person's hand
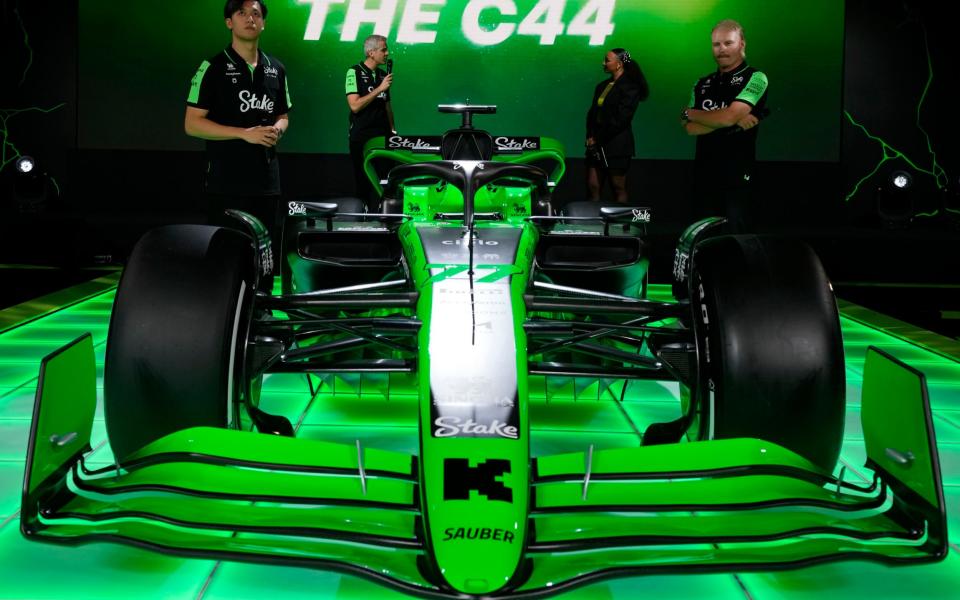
x,y
590,142
747,122
385,84
263,135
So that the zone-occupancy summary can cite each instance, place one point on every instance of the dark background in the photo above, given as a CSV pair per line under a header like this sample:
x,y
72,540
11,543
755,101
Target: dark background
x,y
96,203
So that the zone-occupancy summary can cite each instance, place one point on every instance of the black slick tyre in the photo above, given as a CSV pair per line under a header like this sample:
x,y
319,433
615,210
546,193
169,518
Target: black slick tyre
x,y
770,353
177,338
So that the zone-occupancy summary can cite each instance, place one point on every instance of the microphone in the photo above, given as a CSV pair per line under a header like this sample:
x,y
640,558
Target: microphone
x,y
389,66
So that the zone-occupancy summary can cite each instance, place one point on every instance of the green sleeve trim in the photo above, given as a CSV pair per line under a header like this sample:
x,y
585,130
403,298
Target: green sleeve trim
x,y
286,89
194,96
754,90
351,81
693,97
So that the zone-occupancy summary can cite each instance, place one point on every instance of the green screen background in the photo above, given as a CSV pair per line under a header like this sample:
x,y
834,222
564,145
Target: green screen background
x,y
137,58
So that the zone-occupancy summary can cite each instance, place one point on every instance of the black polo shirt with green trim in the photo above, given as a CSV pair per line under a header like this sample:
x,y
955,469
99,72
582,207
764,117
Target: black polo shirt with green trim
x,y
372,121
726,155
239,95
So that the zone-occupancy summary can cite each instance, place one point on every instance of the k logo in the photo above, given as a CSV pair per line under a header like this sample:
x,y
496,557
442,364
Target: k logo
x,y
459,478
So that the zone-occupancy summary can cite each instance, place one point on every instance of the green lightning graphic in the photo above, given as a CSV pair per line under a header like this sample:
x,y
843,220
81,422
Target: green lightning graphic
x,y
891,153
10,152
8,149
26,43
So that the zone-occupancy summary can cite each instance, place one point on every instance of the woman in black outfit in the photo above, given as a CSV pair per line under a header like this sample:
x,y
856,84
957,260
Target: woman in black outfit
x,y
609,135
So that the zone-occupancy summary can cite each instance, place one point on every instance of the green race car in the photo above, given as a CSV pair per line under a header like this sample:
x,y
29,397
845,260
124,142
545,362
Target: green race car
x,y
467,290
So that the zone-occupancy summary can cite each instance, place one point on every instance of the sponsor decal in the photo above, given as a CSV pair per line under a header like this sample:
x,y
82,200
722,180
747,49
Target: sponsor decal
x,y
250,101
737,79
478,533
266,260
516,144
469,389
451,426
641,215
414,143
476,242
459,478
709,104
680,262
267,70
295,208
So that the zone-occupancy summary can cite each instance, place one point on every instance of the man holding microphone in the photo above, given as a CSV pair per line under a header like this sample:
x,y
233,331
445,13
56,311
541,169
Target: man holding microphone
x,y
368,96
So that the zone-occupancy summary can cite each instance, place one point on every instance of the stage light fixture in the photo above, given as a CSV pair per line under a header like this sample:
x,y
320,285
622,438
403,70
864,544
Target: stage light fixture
x,y
901,180
32,187
26,165
895,200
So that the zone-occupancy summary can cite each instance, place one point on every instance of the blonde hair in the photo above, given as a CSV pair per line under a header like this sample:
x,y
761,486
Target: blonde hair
x,y
729,25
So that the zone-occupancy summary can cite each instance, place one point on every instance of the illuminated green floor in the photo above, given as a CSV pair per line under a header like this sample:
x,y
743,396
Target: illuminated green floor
x,y
572,417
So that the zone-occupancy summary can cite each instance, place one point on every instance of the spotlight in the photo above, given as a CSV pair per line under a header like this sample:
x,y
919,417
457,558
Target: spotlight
x,y
25,164
895,201
31,186
901,180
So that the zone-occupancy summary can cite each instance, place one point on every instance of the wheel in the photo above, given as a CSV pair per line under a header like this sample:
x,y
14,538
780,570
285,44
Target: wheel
x,y
770,353
177,338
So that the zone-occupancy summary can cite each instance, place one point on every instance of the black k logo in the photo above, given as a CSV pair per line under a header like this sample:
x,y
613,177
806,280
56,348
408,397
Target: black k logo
x,y
459,478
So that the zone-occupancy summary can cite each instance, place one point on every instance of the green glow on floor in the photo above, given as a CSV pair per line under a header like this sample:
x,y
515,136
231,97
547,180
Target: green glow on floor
x,y
566,416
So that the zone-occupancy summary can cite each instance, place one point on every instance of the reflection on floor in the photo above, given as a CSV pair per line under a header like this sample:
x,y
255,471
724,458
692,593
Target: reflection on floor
x,y
568,417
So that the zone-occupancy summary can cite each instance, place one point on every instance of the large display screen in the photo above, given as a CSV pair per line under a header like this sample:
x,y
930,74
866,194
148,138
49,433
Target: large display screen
x,y
537,60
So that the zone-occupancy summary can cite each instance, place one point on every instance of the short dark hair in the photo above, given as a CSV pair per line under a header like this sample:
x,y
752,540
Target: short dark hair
x,y
233,6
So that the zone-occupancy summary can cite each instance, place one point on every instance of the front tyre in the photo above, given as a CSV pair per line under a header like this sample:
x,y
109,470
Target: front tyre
x,y
770,353
177,339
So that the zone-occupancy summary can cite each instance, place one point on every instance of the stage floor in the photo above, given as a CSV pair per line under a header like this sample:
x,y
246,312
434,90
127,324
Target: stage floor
x,y
571,418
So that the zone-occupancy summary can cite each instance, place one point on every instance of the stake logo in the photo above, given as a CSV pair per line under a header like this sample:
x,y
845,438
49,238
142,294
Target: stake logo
x,y
510,144
459,478
455,427
414,143
250,101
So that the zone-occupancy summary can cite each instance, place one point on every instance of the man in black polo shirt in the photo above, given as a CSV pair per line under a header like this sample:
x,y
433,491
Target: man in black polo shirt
x,y
371,115
723,113
238,103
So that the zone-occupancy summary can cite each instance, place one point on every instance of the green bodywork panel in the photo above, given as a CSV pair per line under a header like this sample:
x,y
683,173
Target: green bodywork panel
x,y
550,155
699,506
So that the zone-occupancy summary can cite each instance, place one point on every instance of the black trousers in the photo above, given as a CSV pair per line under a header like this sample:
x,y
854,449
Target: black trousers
x,y
363,189
734,203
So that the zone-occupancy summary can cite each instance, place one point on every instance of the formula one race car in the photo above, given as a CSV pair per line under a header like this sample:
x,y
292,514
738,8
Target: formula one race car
x,y
468,290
